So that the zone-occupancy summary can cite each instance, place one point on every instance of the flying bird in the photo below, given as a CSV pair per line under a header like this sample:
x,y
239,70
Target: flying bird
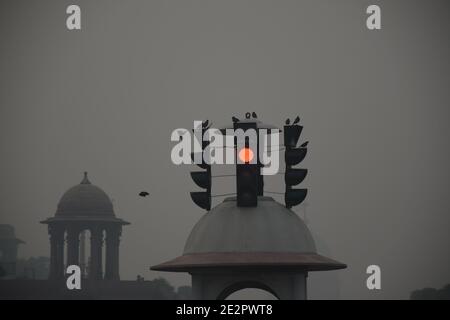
x,y
143,193
288,122
297,120
305,144
235,119
254,115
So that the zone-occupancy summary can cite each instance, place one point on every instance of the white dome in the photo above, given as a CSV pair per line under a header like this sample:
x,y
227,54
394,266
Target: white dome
x,y
269,227
266,236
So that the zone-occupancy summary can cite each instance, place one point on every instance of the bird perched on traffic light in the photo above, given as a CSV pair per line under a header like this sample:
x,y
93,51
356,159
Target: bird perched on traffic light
x,y
143,193
297,120
287,122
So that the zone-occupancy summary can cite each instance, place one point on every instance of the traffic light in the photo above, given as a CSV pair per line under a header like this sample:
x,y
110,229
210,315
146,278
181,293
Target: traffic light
x,y
293,156
247,167
202,178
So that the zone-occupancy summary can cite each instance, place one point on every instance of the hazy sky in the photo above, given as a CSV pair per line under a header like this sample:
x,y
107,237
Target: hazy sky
x,y
375,106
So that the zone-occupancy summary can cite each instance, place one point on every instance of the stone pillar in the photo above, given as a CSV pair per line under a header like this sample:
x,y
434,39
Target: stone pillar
x,y
112,253
197,288
83,253
73,246
56,252
96,268
299,287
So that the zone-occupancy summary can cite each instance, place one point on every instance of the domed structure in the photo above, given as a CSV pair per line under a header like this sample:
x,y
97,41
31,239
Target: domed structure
x,y
228,228
267,247
85,199
85,207
8,250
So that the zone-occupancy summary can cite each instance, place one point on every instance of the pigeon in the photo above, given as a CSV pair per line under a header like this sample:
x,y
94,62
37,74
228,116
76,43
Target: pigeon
x,y
297,120
254,115
288,122
143,193
305,144
235,119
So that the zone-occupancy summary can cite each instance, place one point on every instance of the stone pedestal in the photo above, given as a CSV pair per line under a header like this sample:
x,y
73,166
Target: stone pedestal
x,y
56,253
73,246
112,254
96,267
217,285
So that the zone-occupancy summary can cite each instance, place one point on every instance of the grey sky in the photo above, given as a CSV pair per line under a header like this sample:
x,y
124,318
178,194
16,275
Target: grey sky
x,y
105,99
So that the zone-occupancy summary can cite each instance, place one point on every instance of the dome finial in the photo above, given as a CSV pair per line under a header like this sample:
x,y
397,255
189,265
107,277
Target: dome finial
x,y
85,179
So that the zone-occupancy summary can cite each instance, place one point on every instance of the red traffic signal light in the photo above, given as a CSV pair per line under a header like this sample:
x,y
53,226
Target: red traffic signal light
x,y
246,155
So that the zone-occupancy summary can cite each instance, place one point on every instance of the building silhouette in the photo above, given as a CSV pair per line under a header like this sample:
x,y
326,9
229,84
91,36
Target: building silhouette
x,y
33,268
85,207
9,245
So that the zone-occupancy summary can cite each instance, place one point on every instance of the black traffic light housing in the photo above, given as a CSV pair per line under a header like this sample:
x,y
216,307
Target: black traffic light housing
x,y
202,178
248,184
249,181
293,156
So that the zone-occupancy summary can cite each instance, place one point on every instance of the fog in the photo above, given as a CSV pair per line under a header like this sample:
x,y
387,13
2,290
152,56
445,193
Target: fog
x,y
105,99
